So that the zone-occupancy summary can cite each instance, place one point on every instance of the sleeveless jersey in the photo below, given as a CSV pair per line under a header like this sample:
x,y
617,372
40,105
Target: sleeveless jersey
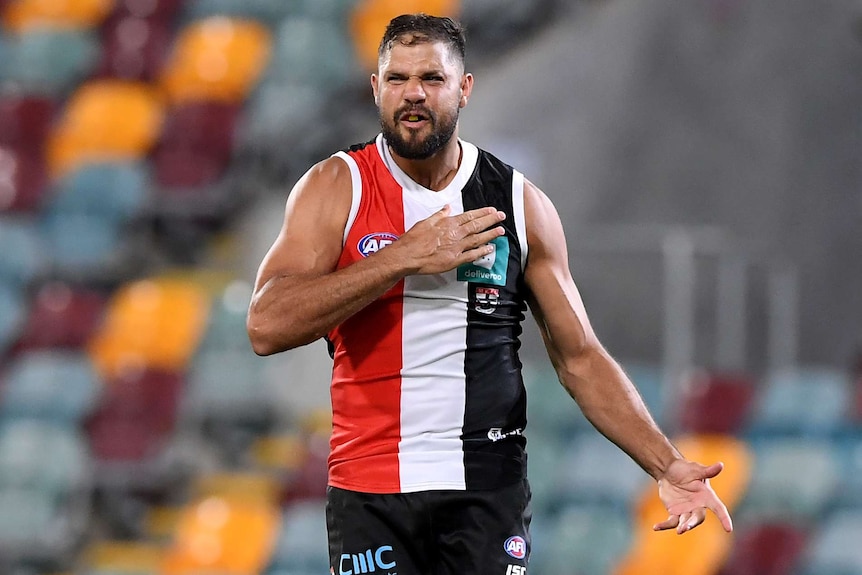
x,y
426,387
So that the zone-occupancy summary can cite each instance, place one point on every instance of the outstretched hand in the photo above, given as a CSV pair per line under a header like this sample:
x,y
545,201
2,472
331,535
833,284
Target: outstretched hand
x,y
686,494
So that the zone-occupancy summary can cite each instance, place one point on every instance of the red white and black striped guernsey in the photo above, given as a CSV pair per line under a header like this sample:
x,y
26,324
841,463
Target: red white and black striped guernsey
x,y
426,388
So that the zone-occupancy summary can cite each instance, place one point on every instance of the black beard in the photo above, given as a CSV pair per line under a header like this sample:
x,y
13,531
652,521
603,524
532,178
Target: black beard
x,y
416,149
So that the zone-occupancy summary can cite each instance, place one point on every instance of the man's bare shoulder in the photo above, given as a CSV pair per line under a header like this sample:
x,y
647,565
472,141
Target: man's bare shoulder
x,y
542,219
330,178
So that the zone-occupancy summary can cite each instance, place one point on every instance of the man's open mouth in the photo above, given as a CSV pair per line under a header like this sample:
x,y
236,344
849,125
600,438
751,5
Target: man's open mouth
x,y
414,118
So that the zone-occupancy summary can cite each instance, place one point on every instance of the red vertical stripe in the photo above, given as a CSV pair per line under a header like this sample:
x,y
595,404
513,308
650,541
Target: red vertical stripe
x,y
366,382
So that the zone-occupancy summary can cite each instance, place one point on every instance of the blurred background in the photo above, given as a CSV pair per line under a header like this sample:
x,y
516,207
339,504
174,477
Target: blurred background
x,y
704,157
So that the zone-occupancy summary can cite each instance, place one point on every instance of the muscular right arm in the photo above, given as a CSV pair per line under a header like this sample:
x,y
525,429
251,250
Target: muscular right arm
x,y
299,296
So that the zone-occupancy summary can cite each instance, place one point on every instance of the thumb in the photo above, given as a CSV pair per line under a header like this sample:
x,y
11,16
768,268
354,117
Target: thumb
x,y
712,470
440,214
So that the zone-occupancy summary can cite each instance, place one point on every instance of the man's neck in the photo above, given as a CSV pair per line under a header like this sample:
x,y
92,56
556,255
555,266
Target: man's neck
x,y
436,172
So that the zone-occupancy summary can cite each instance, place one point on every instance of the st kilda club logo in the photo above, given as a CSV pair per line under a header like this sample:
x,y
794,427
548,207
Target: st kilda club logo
x,y
486,299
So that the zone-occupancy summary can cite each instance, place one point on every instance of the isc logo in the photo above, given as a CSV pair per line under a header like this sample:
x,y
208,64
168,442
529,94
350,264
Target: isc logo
x,y
516,547
375,242
516,570
366,562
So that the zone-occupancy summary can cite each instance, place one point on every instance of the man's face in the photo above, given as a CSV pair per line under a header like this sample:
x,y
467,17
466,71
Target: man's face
x,y
419,91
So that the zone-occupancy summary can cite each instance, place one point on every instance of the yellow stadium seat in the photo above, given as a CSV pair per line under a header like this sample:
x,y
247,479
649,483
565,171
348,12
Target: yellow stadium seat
x,y
155,323
160,522
123,557
105,120
703,550
216,58
316,422
258,488
20,15
223,535
370,17
279,452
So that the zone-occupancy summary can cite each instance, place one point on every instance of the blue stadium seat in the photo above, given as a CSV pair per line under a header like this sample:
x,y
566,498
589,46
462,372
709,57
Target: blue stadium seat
x,y
226,329
591,469
295,90
45,456
57,386
5,51
23,251
850,452
835,548
296,87
265,11
336,11
802,402
550,410
83,224
115,191
45,484
226,385
277,111
13,312
327,66
793,480
80,242
587,539
49,61
544,448
301,546
27,519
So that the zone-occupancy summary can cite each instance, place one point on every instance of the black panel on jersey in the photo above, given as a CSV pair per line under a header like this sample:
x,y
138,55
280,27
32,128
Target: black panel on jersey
x,y
495,411
360,146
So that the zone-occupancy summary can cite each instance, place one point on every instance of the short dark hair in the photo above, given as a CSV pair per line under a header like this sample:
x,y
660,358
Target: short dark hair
x,y
410,29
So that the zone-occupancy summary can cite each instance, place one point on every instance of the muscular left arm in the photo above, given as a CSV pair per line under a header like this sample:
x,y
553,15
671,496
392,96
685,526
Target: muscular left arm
x,y
596,381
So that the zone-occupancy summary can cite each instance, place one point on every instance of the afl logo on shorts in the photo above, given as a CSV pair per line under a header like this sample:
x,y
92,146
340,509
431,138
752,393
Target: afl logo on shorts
x,y
375,242
516,547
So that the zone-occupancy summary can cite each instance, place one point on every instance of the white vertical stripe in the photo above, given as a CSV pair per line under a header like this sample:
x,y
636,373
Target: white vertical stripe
x,y
518,208
419,193
356,181
433,389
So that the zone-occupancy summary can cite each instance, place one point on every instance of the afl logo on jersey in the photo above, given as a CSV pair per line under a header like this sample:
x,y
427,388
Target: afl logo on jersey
x,y
516,547
375,242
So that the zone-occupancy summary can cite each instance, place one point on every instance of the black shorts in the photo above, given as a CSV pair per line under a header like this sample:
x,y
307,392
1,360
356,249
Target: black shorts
x,y
430,532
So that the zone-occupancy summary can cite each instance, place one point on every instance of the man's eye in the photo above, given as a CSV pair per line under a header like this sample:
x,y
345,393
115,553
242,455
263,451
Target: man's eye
x,y
396,80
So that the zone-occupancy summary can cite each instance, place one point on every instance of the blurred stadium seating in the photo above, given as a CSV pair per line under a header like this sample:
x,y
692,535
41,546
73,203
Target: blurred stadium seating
x,y
138,432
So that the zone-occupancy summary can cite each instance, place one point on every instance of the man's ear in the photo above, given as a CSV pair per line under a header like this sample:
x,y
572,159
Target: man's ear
x,y
375,89
466,89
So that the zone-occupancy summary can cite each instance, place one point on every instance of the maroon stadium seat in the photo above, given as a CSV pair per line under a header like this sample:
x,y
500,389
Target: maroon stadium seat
x,y
163,10
24,125
715,403
135,417
23,180
25,121
62,316
766,549
134,48
196,144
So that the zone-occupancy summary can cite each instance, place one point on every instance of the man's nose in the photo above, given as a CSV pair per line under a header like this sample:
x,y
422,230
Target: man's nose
x,y
414,91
